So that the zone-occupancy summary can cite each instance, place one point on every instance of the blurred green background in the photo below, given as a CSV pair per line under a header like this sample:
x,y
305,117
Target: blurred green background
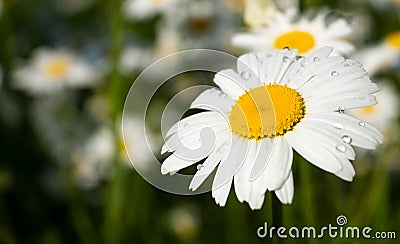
x,y
56,186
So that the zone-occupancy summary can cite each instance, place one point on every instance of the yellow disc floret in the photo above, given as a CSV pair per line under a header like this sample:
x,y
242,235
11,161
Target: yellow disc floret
x,y
57,67
300,40
266,111
393,39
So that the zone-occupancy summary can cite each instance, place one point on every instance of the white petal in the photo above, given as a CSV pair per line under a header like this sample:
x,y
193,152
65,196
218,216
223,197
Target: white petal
x,y
312,151
241,179
256,200
213,99
248,66
278,168
220,194
286,192
265,148
228,84
173,164
231,164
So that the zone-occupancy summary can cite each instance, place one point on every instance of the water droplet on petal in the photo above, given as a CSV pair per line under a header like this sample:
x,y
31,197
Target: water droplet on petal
x,y
245,75
338,125
200,166
361,123
341,148
303,63
286,48
315,59
222,94
347,139
334,73
172,172
286,59
341,109
346,65
186,126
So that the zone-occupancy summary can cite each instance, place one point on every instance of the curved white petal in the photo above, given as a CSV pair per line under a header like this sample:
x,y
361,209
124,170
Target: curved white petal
x,y
286,192
229,84
221,193
213,99
278,168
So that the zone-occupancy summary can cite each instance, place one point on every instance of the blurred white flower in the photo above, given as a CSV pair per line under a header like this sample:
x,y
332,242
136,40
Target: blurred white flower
x,y
52,70
383,114
297,32
378,57
91,163
132,145
257,12
381,4
134,57
185,222
200,24
141,9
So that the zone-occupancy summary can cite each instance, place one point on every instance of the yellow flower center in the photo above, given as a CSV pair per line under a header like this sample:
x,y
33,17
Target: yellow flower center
x,y
393,39
300,40
266,111
57,67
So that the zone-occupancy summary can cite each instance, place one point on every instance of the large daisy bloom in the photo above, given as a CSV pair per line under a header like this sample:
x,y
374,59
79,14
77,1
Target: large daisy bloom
x,y
378,57
274,103
303,34
53,70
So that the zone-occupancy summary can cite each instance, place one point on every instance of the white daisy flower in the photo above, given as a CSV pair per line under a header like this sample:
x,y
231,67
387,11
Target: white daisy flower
x,y
303,34
384,113
382,55
91,162
273,104
134,57
200,24
53,70
141,9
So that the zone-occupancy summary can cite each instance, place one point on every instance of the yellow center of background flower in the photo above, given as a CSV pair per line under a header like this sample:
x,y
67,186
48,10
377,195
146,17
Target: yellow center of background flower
x,y
57,68
300,40
368,110
266,111
393,39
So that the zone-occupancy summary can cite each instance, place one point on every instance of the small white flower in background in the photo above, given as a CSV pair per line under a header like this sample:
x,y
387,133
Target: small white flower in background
x,y
134,57
185,221
142,9
254,136
257,13
382,4
384,114
303,34
200,24
137,149
381,56
52,70
91,163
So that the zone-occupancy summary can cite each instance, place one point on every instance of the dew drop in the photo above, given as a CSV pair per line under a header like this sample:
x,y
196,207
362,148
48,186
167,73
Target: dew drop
x,y
303,63
222,94
338,125
341,148
361,123
245,75
347,139
286,48
200,166
286,59
172,172
334,73
186,126
341,109
316,59
346,65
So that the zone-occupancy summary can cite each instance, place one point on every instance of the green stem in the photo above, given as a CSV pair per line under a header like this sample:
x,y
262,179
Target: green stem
x,y
276,217
113,213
